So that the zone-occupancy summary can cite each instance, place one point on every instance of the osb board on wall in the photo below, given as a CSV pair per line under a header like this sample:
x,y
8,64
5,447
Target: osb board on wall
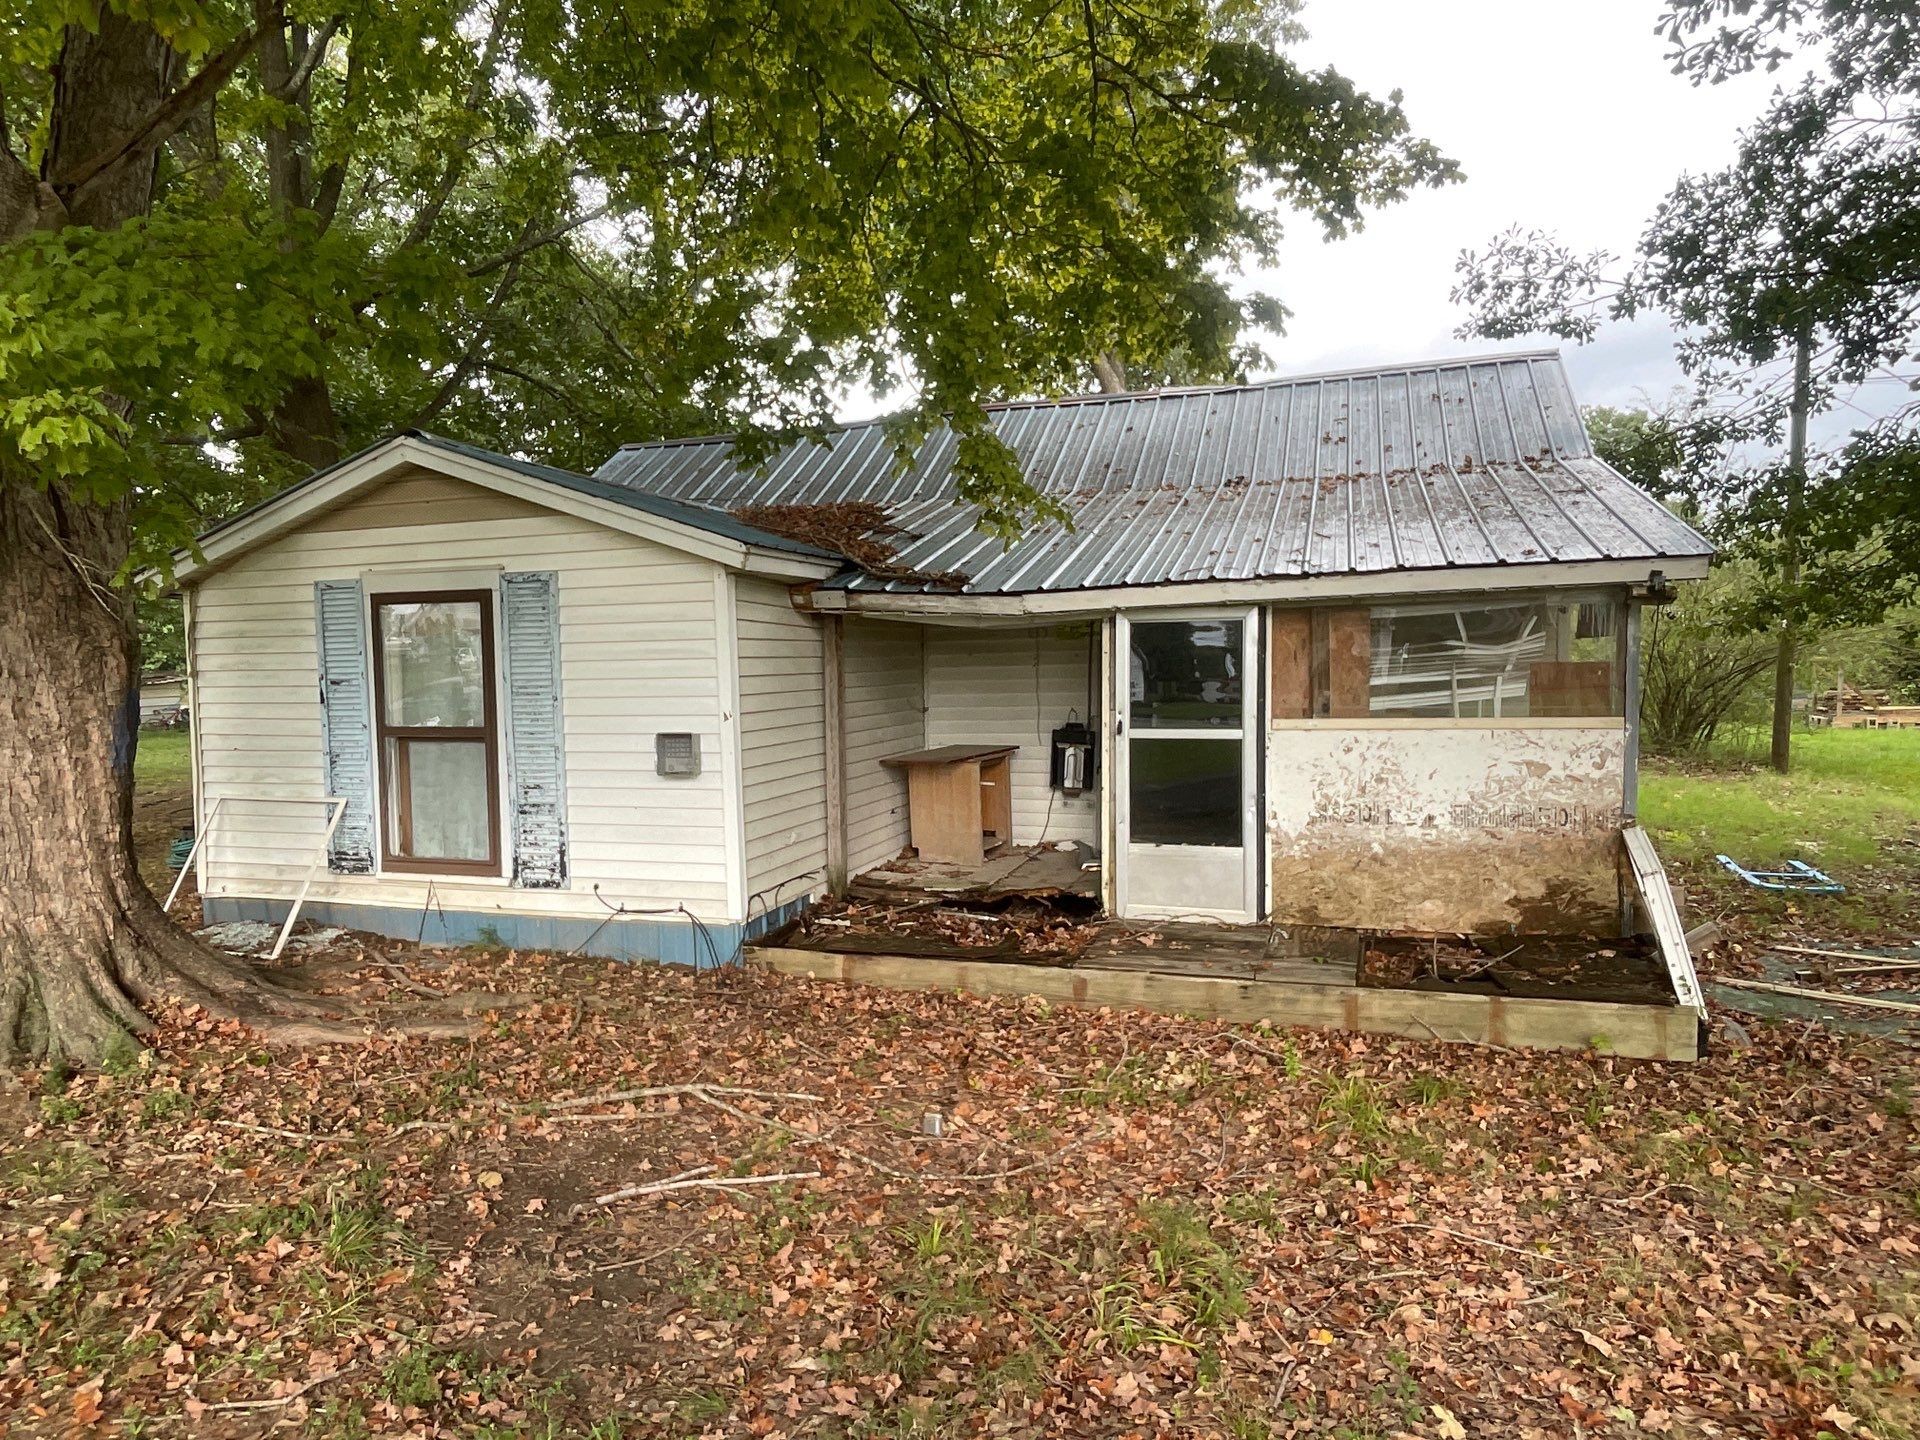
x,y
1446,829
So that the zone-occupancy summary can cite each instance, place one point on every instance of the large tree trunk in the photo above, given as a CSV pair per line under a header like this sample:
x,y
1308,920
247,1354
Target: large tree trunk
x,y
83,944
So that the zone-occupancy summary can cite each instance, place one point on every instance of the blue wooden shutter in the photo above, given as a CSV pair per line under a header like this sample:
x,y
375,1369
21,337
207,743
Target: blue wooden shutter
x,y
346,719
536,772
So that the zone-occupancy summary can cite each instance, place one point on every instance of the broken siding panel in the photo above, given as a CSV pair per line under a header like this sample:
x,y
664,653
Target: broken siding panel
x,y
884,715
1014,687
783,757
637,656
1448,828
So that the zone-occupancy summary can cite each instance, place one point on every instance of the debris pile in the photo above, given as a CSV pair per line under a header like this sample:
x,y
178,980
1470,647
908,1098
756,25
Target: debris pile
x,y
1550,966
1850,707
854,528
1019,929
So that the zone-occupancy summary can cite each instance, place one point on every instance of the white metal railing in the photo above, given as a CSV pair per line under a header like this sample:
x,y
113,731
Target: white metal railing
x,y
338,807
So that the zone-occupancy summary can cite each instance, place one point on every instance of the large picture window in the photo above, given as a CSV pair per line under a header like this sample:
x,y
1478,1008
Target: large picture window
x,y
438,732
1533,659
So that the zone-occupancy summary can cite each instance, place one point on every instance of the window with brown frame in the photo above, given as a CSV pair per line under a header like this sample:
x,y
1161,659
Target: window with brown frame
x,y
438,732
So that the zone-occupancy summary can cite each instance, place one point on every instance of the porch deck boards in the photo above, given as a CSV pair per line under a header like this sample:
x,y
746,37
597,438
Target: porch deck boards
x,y
1038,870
1227,952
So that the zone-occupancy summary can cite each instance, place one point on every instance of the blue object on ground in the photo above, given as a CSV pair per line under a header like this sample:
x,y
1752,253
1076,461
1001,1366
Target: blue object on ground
x,y
1797,876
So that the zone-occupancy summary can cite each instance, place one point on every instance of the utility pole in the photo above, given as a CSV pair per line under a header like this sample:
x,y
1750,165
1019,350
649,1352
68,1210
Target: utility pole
x,y
1783,663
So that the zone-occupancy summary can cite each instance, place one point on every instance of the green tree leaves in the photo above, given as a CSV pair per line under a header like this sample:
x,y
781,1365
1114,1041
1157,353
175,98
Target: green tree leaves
x,y
554,227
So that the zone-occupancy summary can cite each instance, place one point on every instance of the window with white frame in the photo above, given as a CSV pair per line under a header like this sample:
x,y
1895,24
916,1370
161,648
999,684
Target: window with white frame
x,y
1526,658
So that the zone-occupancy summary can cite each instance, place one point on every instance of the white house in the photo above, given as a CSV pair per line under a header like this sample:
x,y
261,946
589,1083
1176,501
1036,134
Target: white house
x,y
1359,649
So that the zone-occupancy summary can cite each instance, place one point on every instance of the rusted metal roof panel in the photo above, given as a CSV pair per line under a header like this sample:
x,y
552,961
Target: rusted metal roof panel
x,y
1420,467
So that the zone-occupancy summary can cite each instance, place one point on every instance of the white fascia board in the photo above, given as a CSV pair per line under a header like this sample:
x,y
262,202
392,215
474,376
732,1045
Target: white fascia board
x,y
1433,584
782,565
302,503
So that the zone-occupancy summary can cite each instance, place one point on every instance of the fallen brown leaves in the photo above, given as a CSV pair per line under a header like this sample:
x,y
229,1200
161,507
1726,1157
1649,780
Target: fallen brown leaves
x,y
857,529
1130,1225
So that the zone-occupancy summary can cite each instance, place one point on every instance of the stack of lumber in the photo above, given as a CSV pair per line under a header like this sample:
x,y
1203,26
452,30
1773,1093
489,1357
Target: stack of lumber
x,y
1849,706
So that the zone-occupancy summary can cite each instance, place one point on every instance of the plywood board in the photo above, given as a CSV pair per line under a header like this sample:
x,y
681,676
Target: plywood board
x,y
1578,688
1290,646
1449,830
943,807
1349,663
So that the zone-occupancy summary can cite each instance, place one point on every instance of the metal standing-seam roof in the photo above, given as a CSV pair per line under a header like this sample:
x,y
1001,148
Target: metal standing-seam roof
x,y
1424,467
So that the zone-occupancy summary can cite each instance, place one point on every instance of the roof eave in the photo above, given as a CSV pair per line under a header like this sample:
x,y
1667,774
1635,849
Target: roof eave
x,y
1369,586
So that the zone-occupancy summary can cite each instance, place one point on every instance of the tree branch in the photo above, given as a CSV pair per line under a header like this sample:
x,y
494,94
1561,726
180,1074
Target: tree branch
x,y
470,356
309,62
456,165
545,387
169,115
534,242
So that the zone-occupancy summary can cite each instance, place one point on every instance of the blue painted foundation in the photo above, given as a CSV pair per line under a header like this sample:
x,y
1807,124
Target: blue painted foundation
x,y
673,940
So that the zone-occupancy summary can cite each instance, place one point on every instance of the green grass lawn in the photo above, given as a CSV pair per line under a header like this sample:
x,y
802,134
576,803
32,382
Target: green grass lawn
x,y
1851,794
1850,807
163,758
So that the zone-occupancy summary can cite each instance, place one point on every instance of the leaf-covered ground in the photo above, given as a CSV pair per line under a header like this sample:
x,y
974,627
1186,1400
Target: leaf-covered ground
x,y
1131,1226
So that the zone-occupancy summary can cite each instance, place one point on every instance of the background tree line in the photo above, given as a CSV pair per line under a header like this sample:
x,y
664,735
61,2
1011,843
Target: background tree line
x,y
1792,277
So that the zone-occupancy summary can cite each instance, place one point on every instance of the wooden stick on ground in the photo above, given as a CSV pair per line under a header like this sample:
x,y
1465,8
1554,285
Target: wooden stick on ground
x,y
802,1137
1835,997
306,1135
691,1180
1838,954
697,1090
279,1401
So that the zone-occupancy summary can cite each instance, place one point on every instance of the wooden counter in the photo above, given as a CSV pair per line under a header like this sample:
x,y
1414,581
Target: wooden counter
x,y
959,800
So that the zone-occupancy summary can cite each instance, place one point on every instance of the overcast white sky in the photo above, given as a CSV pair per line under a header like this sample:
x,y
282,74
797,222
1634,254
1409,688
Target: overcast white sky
x,y
1563,116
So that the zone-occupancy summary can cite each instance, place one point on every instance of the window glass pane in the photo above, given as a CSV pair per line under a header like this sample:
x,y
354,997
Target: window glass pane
x,y
1184,792
441,787
1532,659
1186,673
433,670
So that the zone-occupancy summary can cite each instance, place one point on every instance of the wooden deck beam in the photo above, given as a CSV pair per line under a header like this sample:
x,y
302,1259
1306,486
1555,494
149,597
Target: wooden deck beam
x,y
1644,1032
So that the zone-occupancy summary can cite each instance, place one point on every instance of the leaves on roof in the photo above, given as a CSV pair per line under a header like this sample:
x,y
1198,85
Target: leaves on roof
x,y
853,528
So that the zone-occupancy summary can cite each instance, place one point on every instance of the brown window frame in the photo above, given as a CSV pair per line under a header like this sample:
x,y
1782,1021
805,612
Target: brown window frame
x,y
394,795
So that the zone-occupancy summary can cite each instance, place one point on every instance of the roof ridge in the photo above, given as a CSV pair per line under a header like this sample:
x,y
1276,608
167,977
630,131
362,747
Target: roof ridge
x,y
1168,392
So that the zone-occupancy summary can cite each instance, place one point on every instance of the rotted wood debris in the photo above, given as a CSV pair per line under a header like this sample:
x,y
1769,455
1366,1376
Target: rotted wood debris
x,y
1019,931
856,529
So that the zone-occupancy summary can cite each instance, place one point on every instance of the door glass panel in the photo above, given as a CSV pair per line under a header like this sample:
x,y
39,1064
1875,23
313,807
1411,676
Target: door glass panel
x,y
1184,792
441,787
433,663
1186,675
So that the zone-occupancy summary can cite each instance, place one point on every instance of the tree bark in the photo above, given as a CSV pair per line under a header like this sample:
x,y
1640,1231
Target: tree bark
x,y
1788,646
83,944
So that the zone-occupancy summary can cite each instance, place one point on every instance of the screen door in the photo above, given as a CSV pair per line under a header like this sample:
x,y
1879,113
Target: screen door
x,y
1186,784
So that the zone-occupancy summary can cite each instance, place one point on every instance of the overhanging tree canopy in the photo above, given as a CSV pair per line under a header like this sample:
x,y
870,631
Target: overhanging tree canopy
x,y
239,239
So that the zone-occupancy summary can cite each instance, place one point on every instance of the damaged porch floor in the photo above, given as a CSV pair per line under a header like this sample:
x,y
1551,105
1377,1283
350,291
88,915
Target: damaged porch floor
x,y
916,926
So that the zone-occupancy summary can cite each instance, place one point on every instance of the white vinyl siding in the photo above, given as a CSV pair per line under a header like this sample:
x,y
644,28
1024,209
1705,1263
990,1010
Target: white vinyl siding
x,y
638,648
1015,687
885,714
783,765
